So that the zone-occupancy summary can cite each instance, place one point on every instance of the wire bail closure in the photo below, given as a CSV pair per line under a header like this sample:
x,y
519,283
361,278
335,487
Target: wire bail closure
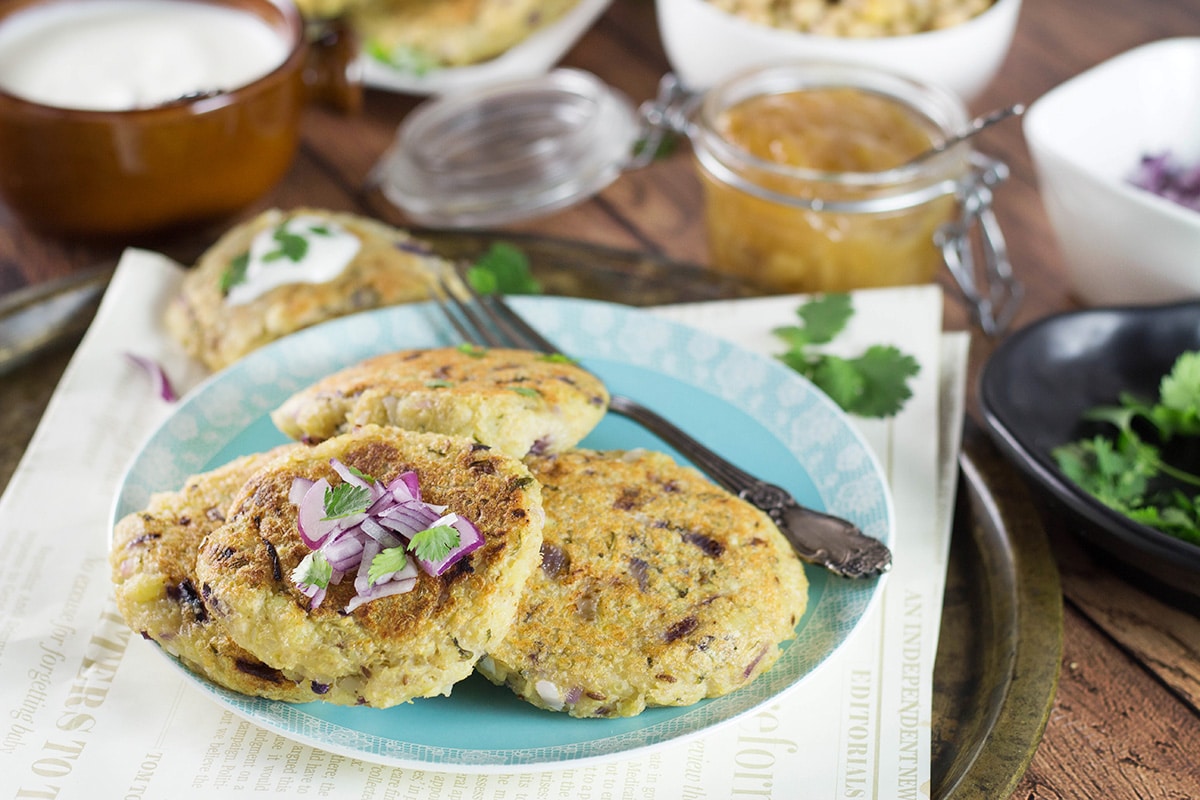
x,y
989,288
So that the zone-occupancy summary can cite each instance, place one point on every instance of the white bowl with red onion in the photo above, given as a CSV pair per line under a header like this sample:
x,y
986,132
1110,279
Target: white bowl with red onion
x,y
1117,155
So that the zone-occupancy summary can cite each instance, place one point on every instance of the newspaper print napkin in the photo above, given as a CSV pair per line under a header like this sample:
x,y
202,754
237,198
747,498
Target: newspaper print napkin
x,y
88,710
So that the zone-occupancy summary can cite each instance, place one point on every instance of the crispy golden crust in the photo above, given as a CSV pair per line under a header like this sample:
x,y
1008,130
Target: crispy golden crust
x,y
394,648
390,268
514,400
153,560
443,32
656,588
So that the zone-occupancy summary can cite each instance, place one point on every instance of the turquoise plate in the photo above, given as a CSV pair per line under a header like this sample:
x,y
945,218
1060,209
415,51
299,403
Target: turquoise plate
x,y
748,407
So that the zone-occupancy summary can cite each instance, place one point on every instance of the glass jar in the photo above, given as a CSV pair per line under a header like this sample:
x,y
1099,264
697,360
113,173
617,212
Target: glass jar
x,y
802,192
508,152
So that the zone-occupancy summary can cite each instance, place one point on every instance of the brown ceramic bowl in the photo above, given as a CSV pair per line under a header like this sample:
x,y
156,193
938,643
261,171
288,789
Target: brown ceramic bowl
x,y
112,173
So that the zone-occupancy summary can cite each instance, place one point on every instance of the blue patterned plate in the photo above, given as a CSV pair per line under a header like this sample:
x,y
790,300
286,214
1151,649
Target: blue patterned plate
x,y
746,406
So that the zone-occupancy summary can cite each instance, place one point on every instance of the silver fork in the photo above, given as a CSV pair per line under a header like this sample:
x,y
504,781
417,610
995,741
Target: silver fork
x,y
817,537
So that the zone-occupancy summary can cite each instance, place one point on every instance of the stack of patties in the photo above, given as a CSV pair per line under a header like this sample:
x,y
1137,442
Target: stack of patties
x,y
237,591
656,587
602,582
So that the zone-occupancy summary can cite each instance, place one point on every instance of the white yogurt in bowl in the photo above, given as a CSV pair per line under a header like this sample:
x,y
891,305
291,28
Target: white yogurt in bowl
x,y
118,55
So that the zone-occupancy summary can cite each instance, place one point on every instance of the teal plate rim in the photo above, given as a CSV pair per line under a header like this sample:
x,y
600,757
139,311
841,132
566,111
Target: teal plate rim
x,y
749,407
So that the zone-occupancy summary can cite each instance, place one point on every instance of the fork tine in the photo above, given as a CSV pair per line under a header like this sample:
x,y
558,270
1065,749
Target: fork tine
x,y
516,331
511,318
462,317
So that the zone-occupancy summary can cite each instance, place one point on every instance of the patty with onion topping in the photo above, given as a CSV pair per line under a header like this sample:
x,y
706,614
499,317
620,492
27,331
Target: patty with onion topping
x,y
518,401
398,647
153,560
656,588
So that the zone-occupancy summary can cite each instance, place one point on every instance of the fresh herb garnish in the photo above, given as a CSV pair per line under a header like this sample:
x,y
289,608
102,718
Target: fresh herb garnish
x,y
292,246
434,544
472,350
1127,471
557,358
235,273
346,499
503,269
431,544
438,384
404,58
524,391
872,384
389,560
358,473
313,570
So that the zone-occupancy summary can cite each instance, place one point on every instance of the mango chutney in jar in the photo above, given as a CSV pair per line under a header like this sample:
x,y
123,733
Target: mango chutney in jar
x,y
808,188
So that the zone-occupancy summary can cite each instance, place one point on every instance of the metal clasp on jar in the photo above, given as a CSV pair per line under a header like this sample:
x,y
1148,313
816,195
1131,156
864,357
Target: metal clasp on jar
x,y
989,288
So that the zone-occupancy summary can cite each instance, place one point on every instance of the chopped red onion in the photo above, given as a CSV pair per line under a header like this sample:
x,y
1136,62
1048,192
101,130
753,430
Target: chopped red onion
x,y
469,540
1166,176
162,384
395,513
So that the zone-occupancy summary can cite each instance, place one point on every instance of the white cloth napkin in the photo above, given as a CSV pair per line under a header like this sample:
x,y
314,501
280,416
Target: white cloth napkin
x,y
87,710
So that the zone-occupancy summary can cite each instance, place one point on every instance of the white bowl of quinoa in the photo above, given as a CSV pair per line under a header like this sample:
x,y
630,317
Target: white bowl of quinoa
x,y
957,44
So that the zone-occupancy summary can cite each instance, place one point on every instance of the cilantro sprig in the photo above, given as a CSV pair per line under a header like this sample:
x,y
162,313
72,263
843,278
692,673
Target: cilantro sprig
x,y
346,499
872,384
1126,469
313,570
431,544
503,269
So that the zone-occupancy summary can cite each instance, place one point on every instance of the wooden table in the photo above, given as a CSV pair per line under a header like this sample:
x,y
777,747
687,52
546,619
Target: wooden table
x,y
1126,721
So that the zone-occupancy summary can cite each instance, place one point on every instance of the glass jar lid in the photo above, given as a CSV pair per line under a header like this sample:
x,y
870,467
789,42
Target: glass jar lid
x,y
509,152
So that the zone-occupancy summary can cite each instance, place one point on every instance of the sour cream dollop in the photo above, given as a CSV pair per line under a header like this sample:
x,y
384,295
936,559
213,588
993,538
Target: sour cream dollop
x,y
328,249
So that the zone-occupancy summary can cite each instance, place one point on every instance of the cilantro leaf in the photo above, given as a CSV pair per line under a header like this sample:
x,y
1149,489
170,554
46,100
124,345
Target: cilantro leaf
x,y
524,391
872,384
313,570
838,378
503,269
434,544
825,316
358,473
472,350
404,58
235,273
389,560
885,372
292,246
557,358
346,499
1179,398
1126,470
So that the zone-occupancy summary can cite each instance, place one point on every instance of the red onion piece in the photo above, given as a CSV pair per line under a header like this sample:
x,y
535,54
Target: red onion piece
x,y
381,590
299,487
350,544
310,518
469,540
162,384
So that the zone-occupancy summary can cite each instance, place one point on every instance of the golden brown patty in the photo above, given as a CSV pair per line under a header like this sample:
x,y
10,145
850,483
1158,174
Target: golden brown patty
x,y
656,588
443,33
514,400
395,648
153,561
391,267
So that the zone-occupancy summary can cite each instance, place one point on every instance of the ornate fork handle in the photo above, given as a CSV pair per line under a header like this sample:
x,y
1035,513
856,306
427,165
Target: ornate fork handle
x,y
831,542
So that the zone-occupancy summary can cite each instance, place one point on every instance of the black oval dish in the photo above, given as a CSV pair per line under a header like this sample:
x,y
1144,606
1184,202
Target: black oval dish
x,y
1035,387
